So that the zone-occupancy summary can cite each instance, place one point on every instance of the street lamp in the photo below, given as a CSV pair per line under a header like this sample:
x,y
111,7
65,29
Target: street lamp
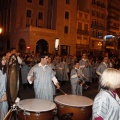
x,y
0,39
56,45
0,30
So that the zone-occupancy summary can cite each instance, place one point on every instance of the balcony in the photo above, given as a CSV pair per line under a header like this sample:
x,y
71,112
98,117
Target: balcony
x,y
97,27
113,17
82,32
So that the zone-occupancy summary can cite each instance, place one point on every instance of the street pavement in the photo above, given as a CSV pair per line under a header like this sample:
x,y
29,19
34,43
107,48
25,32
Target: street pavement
x,y
66,88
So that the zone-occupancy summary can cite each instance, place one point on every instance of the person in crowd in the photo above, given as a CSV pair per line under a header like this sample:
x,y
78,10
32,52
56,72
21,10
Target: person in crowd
x,y
85,65
63,70
49,63
106,104
103,66
42,75
96,64
14,51
3,96
24,71
76,79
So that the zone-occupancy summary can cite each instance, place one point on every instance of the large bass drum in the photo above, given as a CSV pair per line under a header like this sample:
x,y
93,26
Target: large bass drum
x,y
12,79
79,107
36,109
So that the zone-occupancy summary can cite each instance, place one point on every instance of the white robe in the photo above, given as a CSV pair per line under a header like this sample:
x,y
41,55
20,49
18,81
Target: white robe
x,y
4,104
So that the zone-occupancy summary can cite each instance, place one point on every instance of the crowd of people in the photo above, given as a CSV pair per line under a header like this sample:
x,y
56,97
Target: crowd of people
x,y
49,72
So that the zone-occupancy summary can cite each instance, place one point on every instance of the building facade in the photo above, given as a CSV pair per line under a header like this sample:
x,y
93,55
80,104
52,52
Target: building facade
x,y
83,32
37,24
80,26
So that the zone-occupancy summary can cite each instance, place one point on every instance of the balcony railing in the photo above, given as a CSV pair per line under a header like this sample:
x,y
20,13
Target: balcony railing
x,y
82,32
98,27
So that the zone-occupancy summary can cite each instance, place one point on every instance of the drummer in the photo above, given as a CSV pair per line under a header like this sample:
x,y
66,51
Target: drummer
x,y
75,76
3,97
106,104
42,75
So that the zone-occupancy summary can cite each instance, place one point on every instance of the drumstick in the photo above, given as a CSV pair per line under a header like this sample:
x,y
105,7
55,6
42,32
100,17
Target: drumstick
x,y
62,92
9,112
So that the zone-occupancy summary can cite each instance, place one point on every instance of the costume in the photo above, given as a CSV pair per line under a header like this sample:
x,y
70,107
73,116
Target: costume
x,y
63,71
87,70
54,72
24,71
43,77
106,106
76,88
3,104
103,66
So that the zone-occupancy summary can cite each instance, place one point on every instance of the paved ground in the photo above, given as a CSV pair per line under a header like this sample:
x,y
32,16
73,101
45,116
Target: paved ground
x,y
90,92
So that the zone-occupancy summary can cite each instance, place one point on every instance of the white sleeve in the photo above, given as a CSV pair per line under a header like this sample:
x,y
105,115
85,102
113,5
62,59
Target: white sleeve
x,y
98,73
82,66
28,78
19,60
74,76
54,79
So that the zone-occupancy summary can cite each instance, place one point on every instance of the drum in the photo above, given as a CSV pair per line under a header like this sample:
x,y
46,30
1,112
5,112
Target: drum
x,y
36,109
79,107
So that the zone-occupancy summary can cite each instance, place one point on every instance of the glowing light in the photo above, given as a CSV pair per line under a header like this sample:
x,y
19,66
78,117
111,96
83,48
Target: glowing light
x,y
56,43
108,37
28,47
0,30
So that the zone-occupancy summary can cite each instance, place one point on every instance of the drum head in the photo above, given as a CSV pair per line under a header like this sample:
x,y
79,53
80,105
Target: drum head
x,y
74,100
12,79
36,105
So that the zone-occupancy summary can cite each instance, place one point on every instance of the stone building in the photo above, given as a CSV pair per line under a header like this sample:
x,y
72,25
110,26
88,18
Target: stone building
x,y
38,23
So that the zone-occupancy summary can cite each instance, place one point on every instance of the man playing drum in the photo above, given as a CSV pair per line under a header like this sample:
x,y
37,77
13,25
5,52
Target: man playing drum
x,y
42,75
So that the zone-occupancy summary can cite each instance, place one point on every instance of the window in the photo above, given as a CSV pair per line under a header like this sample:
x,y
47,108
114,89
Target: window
x,y
30,1
66,15
29,13
67,1
86,16
41,2
93,44
80,14
86,27
93,33
40,15
93,12
66,29
79,25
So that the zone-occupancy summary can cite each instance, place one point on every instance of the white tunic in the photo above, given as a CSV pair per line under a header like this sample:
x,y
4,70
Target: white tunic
x,y
3,104
106,106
